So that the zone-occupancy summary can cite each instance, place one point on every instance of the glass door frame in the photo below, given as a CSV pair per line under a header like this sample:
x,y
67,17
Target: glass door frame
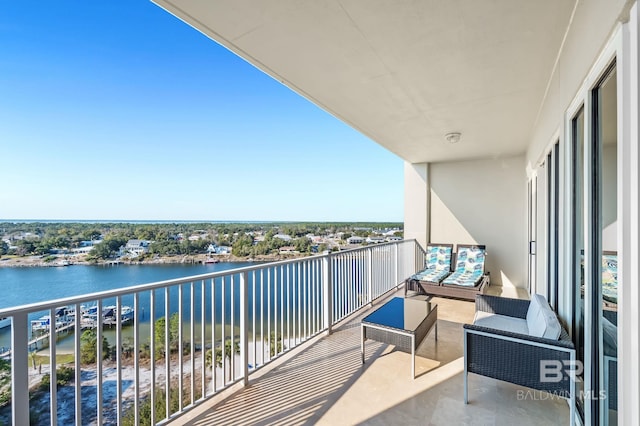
x,y
594,410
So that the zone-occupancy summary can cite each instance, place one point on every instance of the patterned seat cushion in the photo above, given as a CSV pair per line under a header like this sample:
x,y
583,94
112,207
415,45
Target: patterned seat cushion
x,y
469,267
438,257
431,275
464,278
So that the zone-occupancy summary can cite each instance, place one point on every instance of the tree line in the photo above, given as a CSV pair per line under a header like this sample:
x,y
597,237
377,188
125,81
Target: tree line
x,y
40,238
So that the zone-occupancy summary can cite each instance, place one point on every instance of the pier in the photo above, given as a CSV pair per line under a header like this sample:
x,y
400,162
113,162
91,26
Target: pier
x,y
41,334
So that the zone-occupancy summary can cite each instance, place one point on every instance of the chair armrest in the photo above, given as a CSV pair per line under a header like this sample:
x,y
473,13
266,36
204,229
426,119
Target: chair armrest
x,y
518,358
564,342
502,305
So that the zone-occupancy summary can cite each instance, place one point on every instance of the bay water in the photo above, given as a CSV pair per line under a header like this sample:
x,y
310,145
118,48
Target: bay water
x,y
25,285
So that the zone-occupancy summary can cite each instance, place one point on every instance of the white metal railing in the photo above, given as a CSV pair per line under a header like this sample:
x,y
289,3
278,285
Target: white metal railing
x,y
218,328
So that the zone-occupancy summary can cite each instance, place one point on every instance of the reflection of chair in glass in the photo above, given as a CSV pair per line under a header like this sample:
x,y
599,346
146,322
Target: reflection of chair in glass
x,y
437,267
610,350
610,277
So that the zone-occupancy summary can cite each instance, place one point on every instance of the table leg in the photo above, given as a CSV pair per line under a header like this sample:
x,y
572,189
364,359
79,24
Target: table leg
x,y
362,342
413,357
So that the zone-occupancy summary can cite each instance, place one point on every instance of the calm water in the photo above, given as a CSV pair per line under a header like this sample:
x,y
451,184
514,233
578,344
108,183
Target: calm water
x,y
22,286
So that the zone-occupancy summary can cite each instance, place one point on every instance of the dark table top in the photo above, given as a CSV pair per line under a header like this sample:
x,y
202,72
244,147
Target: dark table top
x,y
401,313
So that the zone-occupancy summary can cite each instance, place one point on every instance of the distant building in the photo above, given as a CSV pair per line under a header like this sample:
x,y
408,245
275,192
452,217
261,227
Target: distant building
x,y
137,247
355,240
283,237
223,250
288,250
57,250
375,240
81,250
393,238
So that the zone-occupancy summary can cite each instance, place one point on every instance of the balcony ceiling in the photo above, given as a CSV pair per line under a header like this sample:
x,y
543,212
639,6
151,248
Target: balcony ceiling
x,y
404,73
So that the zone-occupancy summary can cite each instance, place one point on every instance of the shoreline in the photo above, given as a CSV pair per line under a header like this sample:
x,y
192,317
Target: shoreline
x,y
196,259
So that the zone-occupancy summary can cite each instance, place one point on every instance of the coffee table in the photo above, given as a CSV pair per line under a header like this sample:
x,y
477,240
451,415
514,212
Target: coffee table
x,y
402,322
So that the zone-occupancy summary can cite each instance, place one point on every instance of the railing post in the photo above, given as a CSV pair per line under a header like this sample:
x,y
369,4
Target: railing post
x,y
327,281
244,324
396,278
370,276
19,370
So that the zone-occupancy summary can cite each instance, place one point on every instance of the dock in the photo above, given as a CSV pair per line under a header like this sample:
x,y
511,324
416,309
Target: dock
x,y
42,336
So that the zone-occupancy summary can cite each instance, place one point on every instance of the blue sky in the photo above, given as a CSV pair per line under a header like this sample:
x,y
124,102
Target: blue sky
x,y
118,110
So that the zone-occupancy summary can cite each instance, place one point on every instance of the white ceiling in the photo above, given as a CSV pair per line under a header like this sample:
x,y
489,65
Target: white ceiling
x,y
403,72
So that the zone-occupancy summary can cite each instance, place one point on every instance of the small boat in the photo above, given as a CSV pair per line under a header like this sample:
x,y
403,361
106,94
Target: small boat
x,y
210,260
63,318
108,315
5,322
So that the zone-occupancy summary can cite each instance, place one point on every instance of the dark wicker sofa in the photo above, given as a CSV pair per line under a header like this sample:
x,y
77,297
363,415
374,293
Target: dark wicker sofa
x,y
456,284
518,358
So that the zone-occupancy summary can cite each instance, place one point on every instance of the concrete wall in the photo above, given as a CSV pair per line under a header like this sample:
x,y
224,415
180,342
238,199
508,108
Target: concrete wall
x,y
484,202
416,202
593,24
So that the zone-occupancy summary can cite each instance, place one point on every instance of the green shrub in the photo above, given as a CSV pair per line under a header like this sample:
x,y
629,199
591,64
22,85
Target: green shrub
x,y
64,375
89,349
5,397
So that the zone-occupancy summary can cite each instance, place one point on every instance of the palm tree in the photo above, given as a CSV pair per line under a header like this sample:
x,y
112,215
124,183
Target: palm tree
x,y
227,352
32,357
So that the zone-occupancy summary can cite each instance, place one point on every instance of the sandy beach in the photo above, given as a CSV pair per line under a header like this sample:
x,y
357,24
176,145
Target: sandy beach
x,y
66,394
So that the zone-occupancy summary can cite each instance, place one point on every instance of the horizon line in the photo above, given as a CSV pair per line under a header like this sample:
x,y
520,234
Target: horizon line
x,y
159,221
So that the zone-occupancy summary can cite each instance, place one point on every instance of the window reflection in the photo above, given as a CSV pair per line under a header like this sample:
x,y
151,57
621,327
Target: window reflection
x,y
577,132
607,146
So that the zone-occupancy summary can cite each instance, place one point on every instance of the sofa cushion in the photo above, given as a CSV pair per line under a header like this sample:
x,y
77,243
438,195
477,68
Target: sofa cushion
x,y
470,259
541,320
501,322
464,278
534,310
430,275
438,257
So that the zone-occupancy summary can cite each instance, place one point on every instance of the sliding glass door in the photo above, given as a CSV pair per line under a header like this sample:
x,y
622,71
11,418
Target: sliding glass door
x,y
605,265
594,248
577,246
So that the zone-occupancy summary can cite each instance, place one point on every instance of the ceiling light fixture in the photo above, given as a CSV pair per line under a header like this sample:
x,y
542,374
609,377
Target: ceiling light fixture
x,y
453,137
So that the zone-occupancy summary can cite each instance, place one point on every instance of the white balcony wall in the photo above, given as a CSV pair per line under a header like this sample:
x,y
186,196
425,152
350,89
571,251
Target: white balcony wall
x,y
483,202
416,202
593,24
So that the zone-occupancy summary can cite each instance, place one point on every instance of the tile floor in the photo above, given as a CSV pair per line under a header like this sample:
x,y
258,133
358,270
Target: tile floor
x,y
325,383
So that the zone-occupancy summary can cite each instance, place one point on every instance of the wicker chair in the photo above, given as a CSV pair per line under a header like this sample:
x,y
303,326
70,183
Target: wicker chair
x,y
467,280
437,268
514,357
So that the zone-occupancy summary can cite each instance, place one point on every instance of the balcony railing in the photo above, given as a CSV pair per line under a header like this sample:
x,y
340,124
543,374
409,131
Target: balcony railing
x,y
218,329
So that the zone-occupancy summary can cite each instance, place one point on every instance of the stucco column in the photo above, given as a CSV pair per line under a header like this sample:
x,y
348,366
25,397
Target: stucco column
x,y
416,202
629,232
